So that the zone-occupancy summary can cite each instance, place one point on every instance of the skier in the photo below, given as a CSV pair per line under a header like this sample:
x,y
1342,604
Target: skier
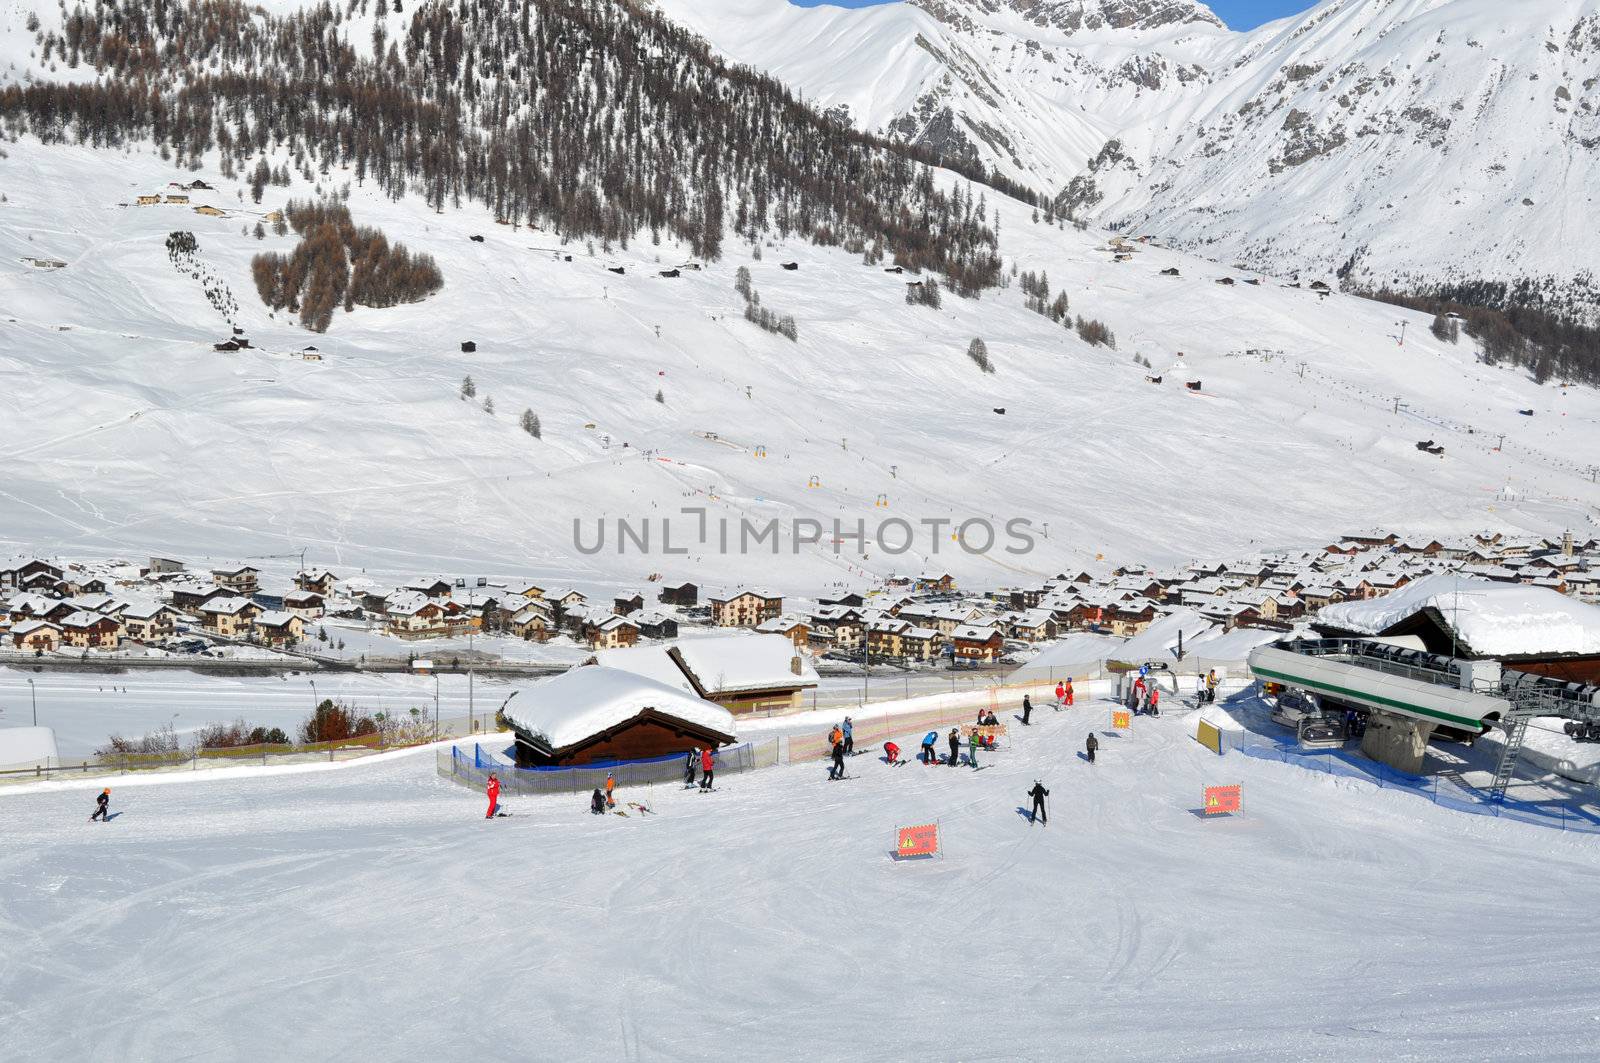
x,y
837,771
688,768
1061,695
1211,685
929,740
1027,709
955,747
707,764
849,738
1068,692
1090,745
597,802
493,790
101,804
611,788
972,749
1138,695
892,752
1038,793
1155,702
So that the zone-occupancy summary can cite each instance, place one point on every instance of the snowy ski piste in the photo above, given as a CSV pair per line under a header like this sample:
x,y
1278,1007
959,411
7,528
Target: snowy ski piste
x,y
372,912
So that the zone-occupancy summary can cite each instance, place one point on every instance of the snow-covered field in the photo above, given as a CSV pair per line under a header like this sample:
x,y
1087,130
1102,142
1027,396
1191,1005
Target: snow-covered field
x,y
371,912
131,436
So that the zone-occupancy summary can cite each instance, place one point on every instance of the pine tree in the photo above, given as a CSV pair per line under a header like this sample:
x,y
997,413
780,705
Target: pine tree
x,y
530,423
468,388
978,351
660,397
488,404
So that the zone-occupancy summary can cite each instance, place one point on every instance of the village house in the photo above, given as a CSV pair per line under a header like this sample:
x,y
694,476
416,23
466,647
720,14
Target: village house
x,y
530,622
611,633
627,604
193,597
35,636
147,201
531,591
1031,626
149,622
681,594
317,581
430,586
792,628
181,200
86,630
411,614
936,583
745,608
921,644
210,211
275,627
307,605
849,598
231,617
883,636
973,645
837,627
27,574
654,625
1127,619
162,566
595,713
241,580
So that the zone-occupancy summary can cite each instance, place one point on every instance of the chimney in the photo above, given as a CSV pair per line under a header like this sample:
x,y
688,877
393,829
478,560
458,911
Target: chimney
x,y
796,665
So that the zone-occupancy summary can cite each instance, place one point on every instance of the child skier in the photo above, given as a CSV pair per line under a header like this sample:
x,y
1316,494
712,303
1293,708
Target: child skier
x,y
101,805
1027,709
707,763
955,747
849,738
493,791
611,791
1061,694
837,771
1067,692
597,802
972,749
1090,745
929,740
1038,793
1155,702
691,762
892,752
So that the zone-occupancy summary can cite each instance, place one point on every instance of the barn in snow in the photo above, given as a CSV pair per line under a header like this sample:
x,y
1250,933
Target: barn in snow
x,y
595,714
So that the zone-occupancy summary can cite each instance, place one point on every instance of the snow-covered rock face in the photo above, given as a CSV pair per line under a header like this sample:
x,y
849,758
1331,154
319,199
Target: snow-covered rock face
x,y
1404,144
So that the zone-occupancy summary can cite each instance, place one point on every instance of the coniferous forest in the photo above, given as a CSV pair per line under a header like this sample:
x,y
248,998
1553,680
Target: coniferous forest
x,y
597,119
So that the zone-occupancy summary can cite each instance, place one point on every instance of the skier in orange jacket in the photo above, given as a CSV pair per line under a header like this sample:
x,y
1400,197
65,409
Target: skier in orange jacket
x,y
493,790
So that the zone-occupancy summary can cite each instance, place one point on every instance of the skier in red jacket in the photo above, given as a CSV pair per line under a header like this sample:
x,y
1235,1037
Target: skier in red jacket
x,y
1068,693
707,766
1061,694
493,790
891,752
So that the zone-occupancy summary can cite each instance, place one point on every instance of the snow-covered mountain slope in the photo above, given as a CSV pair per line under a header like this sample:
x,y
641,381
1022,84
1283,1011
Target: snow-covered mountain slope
x,y
374,907
1402,142
127,434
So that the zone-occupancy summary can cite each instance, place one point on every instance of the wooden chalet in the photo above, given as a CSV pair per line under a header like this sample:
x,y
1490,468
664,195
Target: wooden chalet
x,y
594,715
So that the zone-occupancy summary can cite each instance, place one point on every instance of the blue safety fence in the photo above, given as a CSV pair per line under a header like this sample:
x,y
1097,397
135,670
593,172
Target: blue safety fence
x,y
1447,791
471,765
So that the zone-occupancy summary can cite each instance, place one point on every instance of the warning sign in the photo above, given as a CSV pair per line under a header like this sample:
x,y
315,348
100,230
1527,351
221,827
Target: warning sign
x,y
1221,800
918,841
1121,719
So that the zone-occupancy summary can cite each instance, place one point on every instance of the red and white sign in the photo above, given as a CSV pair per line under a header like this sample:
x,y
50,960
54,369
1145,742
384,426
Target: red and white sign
x,y
1220,800
918,841
1121,719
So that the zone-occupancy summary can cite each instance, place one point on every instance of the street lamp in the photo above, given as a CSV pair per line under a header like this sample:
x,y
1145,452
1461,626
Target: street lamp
x,y
33,693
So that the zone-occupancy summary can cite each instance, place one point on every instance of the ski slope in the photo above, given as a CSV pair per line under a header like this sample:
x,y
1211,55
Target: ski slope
x,y
372,912
130,436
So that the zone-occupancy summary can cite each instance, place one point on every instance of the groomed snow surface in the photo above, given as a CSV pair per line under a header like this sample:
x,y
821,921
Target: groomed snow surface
x,y
371,912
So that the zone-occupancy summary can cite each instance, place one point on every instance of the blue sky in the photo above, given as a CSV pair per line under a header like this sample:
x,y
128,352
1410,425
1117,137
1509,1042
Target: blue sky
x,y
1240,14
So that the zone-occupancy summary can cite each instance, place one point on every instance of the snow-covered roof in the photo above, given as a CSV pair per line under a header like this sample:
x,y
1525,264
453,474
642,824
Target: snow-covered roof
x,y
1497,619
275,618
649,662
730,664
584,702
227,606
1159,641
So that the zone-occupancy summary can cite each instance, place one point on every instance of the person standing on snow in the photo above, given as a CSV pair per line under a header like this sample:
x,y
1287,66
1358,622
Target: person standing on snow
x,y
707,764
102,805
1038,793
493,792
955,747
1061,694
611,788
1155,702
1027,709
1090,745
849,738
692,761
1067,692
929,740
1211,685
972,748
837,771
